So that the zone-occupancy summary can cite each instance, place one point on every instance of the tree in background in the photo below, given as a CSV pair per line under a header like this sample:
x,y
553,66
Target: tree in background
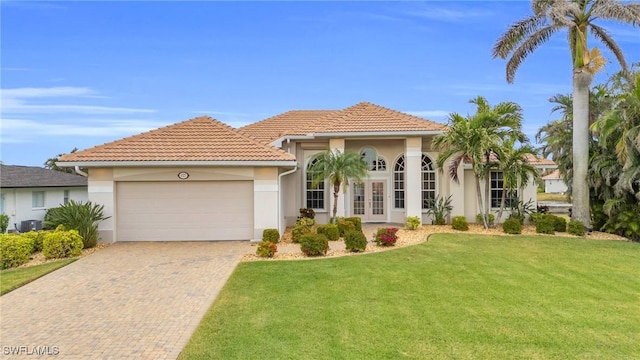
x,y
51,164
577,18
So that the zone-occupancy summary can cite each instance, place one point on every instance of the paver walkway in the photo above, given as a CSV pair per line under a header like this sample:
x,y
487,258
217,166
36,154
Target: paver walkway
x,y
128,301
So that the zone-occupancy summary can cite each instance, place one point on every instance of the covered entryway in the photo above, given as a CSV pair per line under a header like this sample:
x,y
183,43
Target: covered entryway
x,y
184,210
369,200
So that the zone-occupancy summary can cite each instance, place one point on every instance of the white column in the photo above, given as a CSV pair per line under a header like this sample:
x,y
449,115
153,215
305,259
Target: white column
x,y
265,201
336,144
413,166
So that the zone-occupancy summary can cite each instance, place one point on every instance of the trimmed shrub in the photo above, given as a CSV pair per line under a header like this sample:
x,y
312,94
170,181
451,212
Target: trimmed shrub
x,y
355,241
271,235
302,227
330,231
15,250
345,226
413,222
386,236
459,223
491,218
559,224
577,228
545,224
533,217
314,244
518,217
4,223
83,217
307,213
512,226
37,237
62,244
267,249
357,222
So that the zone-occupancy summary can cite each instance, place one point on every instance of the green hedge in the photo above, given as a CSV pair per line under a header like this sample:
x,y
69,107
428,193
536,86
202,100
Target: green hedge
x,y
62,244
314,244
330,231
15,250
459,223
355,241
271,235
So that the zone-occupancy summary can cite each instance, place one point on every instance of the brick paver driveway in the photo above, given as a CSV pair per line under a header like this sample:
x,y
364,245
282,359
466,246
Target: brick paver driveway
x,y
128,301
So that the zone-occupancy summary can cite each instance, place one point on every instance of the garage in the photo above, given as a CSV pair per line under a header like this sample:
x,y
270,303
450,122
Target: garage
x,y
184,210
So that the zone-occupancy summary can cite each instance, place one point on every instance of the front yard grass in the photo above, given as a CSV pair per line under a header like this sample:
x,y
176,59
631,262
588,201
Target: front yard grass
x,y
12,279
456,296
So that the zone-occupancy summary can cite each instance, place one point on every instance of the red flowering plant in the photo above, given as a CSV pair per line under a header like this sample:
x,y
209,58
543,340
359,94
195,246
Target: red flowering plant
x,y
386,236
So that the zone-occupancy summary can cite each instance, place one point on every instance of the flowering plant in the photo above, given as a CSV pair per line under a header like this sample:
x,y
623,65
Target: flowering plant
x,y
386,236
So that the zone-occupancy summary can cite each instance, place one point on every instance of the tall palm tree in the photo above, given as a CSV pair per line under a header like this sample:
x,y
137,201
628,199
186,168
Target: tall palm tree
x,y
514,163
338,167
475,138
577,17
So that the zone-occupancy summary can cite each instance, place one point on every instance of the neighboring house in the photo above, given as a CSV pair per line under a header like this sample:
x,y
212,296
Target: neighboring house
x,y
26,192
203,180
554,183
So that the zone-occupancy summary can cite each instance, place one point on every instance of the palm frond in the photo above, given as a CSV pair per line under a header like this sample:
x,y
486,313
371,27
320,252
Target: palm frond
x,y
528,47
603,36
617,11
515,35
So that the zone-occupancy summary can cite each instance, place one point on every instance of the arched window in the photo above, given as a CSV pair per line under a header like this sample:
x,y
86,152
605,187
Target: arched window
x,y
398,183
314,194
375,162
428,182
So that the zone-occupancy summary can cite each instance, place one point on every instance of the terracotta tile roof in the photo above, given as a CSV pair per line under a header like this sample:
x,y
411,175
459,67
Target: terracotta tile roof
x,y
362,117
553,175
199,139
14,176
295,122
368,117
534,160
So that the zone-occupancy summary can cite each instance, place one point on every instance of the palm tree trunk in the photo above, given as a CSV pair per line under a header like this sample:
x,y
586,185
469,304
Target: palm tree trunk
x,y
580,192
480,205
336,193
502,201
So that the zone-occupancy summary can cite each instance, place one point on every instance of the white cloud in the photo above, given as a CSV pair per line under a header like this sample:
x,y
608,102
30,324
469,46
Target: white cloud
x,y
449,14
17,101
17,128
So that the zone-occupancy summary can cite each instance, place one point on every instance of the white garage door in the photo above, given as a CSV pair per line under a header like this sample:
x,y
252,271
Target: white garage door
x,y
184,211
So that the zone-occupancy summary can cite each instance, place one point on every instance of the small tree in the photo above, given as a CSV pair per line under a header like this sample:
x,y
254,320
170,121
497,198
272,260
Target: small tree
x,y
338,167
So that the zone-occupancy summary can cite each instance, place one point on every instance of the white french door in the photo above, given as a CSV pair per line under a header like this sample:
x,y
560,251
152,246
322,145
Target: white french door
x,y
369,200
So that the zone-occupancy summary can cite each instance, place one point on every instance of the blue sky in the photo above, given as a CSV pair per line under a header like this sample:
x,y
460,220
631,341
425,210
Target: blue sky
x,y
79,74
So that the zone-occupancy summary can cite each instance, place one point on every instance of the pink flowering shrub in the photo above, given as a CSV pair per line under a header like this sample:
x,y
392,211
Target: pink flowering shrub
x,y
386,236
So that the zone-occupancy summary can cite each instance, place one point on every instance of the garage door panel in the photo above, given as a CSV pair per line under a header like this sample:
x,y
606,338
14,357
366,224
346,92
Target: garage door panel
x,y
188,211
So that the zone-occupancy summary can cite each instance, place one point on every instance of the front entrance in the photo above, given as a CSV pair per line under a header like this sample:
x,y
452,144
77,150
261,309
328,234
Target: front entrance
x,y
369,200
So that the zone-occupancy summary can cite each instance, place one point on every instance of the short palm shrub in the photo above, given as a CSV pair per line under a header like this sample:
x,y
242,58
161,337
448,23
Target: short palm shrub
x,y
412,223
4,223
83,217
459,223
386,236
314,244
355,241
439,208
512,226
62,243
15,250
37,237
271,235
357,222
302,227
490,217
267,249
545,224
521,210
577,228
559,224
345,226
330,231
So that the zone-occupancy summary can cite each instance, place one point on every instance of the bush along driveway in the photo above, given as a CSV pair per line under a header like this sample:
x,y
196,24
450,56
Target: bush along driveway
x,y
129,300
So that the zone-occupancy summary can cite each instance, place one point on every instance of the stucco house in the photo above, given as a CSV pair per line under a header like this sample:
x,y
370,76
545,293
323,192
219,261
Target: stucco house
x,y
26,192
203,180
554,183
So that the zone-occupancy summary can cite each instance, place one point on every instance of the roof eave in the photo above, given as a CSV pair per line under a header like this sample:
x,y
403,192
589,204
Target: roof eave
x,y
377,133
93,164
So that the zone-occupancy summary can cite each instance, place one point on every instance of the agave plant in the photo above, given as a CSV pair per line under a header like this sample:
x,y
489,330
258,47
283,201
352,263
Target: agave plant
x,y
83,217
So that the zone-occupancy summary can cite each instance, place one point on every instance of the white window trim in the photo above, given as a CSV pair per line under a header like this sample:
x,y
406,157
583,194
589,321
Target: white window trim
x,y
436,180
404,181
304,179
491,189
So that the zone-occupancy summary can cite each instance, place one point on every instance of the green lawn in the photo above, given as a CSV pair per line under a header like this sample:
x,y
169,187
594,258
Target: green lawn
x,y
552,197
457,297
12,279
